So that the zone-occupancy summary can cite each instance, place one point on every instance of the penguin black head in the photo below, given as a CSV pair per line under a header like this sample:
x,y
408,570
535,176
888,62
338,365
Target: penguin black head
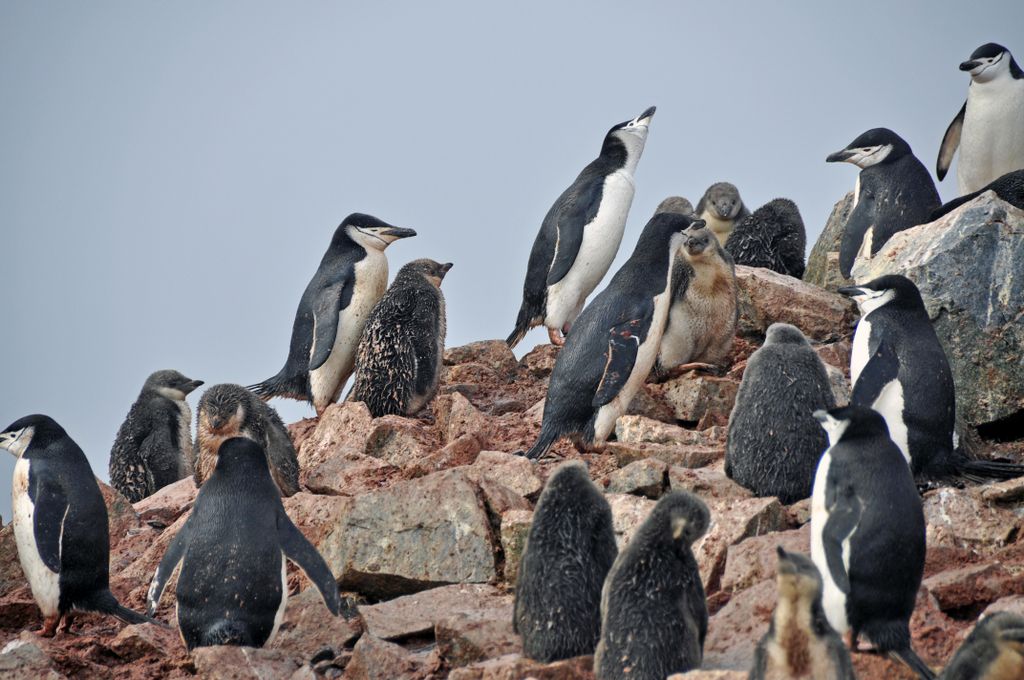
x,y
675,204
724,199
369,232
889,289
432,271
36,429
871,148
242,455
990,61
686,516
784,333
797,576
629,136
662,227
170,384
850,422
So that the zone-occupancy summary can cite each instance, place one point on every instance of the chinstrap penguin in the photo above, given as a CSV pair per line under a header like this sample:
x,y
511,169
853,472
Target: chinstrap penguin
x,y
569,550
226,411
774,442
654,617
581,233
894,192
721,207
153,447
60,525
867,534
1009,188
232,588
334,307
989,129
800,643
772,237
398,363
898,368
615,342
993,651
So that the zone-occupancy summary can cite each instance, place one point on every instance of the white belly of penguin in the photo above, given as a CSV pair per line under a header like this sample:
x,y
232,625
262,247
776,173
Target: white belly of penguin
x,y
43,582
371,274
832,599
688,331
279,616
601,239
992,140
188,454
890,404
859,351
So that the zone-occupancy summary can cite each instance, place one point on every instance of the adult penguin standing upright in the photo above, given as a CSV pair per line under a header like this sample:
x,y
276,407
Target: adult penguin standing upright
x,y
351,278
581,234
894,192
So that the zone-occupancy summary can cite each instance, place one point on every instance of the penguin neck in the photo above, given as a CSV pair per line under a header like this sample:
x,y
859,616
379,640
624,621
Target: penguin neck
x,y
622,152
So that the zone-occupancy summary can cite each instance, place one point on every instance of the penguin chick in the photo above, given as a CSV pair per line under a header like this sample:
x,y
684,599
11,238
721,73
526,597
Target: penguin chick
x,y
774,442
60,525
569,550
398,363
153,447
721,207
772,237
332,311
799,643
227,411
654,617
675,204
705,308
993,651
1009,188
233,587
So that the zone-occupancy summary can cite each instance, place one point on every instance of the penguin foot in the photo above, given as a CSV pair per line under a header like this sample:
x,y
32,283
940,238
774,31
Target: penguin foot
x,y
699,366
49,628
555,337
64,627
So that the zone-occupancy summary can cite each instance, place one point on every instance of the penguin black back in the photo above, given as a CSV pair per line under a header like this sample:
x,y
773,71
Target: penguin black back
x,y
569,550
1009,188
772,237
993,651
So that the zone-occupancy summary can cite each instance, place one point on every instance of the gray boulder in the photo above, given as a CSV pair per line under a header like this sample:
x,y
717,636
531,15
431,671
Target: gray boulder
x,y
823,262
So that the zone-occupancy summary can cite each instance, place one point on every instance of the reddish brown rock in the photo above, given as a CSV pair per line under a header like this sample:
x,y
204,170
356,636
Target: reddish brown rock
x,y
671,454
628,512
767,297
539,361
342,429
169,503
457,417
638,429
350,474
11,575
376,659
734,631
515,526
974,586
243,663
462,451
121,514
959,518
731,522
709,675
515,667
754,559
515,472
701,399
707,482
494,354
24,658
397,441
417,614
308,626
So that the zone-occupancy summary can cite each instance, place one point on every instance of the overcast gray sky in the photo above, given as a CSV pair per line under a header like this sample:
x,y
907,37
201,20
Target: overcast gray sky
x,y
171,173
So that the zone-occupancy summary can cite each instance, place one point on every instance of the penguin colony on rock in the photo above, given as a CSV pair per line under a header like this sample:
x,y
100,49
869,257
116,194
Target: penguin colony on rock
x,y
672,306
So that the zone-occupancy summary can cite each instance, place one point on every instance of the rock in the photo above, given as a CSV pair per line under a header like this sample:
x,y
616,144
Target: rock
x,y
308,627
121,514
767,297
397,440
539,361
636,429
959,518
376,659
462,451
935,635
11,575
457,417
627,513
979,325
502,406
481,633
800,512
647,477
416,614
515,527
734,631
671,454
227,662
701,399
515,472
415,535
823,262
839,384
731,522
342,429
709,675
169,503
1008,491
973,586
23,658
142,640
470,374
350,474
494,354
515,667
754,559
836,354
1013,603
707,482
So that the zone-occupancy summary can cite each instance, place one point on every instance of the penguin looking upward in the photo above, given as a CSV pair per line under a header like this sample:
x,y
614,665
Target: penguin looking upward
x,y
60,525
721,207
898,368
581,234
153,448
894,192
993,651
867,534
332,311
233,549
989,129
615,342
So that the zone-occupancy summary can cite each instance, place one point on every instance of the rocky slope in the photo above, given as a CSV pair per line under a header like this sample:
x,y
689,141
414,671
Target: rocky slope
x,y
423,523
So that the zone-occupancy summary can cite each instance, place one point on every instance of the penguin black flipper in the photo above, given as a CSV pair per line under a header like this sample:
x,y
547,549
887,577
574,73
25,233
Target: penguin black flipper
x,y
574,213
330,301
624,340
909,657
844,510
881,369
50,507
950,142
169,562
300,551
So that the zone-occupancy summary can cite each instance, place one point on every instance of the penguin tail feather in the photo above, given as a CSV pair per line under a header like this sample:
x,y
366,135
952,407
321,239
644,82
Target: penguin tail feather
x,y
105,603
909,657
226,632
980,471
544,441
278,386
529,316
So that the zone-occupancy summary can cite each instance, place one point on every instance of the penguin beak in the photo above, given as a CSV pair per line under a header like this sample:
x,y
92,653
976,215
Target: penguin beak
x,y
392,234
969,65
445,268
839,156
853,291
191,385
645,117
9,441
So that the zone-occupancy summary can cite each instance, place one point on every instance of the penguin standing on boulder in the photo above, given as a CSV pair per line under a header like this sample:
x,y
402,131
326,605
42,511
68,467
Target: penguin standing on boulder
x,y
334,307
721,208
153,447
993,651
615,342
233,549
60,525
868,534
772,237
898,368
989,129
894,192
581,234
398,364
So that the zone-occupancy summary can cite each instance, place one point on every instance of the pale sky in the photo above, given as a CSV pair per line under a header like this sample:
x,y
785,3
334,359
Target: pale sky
x,y
171,173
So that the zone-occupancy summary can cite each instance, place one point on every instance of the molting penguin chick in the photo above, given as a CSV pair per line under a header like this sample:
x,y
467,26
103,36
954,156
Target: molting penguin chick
x,y
894,192
1009,188
334,307
774,442
653,613
60,524
898,368
228,411
570,548
153,448
799,642
581,234
398,364
989,129
772,237
675,204
232,589
868,533
615,342
721,207
993,651
705,309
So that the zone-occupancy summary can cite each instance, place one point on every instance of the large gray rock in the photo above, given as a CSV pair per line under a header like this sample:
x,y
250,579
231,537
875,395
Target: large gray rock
x,y
823,262
968,266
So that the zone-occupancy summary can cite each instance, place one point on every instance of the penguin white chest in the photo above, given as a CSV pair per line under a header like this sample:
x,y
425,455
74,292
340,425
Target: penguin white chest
x,y
43,582
833,600
371,280
859,352
601,239
719,227
992,140
279,615
188,453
